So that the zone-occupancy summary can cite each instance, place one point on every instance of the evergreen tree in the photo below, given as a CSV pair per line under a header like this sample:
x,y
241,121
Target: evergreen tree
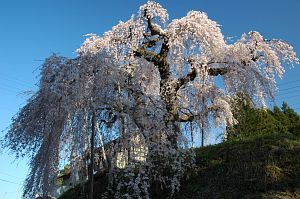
x,y
252,121
294,119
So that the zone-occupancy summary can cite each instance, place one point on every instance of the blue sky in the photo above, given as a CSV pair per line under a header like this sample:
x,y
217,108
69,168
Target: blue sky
x,y
31,30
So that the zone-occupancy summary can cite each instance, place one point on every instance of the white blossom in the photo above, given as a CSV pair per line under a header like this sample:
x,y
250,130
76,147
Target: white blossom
x,y
148,78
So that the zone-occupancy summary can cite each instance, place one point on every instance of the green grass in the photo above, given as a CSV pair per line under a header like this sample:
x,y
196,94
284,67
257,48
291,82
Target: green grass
x,y
81,192
260,166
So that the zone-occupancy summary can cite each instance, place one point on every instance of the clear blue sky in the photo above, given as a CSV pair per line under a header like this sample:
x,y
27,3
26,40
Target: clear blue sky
x,y
31,30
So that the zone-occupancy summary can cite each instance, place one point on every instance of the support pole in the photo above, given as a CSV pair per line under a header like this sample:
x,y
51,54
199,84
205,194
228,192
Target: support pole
x,y
92,156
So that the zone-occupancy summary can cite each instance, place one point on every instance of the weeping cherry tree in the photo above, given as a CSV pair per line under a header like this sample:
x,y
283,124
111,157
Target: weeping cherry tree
x,y
150,77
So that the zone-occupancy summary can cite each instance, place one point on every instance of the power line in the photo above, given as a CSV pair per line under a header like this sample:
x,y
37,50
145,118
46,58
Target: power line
x,y
14,90
16,85
10,174
297,80
293,96
3,180
10,78
9,90
289,88
11,87
10,192
286,93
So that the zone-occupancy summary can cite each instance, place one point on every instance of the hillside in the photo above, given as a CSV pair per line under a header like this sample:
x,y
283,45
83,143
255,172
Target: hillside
x,y
260,166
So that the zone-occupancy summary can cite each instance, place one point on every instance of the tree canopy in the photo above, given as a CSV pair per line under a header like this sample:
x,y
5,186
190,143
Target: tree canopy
x,y
147,76
255,121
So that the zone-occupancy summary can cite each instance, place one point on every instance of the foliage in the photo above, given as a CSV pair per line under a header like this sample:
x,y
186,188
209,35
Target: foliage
x,y
258,166
64,172
146,76
101,182
291,119
253,120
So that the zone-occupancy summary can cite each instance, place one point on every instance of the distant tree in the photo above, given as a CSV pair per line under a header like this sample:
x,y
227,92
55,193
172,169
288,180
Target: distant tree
x,y
279,115
146,76
252,120
291,119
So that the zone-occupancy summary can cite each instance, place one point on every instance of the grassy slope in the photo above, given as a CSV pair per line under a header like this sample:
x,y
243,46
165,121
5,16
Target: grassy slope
x,y
261,166
100,183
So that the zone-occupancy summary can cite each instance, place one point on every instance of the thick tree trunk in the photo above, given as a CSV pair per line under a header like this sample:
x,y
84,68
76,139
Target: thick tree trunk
x,y
168,93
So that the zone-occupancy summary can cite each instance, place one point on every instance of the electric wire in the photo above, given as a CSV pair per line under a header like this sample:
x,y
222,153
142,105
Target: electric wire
x,y
8,181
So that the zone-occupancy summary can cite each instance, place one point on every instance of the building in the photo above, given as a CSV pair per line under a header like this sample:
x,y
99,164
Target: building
x,y
117,153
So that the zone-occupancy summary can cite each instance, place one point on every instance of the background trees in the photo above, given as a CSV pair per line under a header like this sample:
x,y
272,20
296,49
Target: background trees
x,y
254,121
146,76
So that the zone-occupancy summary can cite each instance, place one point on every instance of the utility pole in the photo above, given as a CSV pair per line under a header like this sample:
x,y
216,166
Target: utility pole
x,y
204,109
192,134
92,156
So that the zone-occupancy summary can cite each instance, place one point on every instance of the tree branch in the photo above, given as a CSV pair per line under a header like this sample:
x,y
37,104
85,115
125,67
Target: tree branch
x,y
193,73
151,42
188,78
160,59
217,71
185,118
155,29
148,55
